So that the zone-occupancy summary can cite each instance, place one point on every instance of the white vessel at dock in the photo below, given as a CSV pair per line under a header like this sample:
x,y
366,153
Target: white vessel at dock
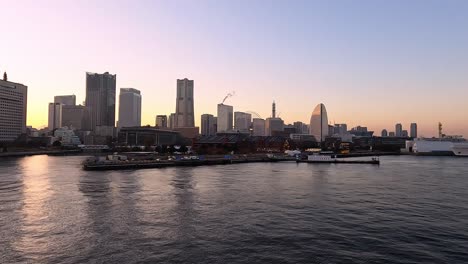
x,y
442,146
460,149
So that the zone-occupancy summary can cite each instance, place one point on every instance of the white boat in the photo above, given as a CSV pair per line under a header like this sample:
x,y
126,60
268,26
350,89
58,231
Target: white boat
x,y
460,149
433,146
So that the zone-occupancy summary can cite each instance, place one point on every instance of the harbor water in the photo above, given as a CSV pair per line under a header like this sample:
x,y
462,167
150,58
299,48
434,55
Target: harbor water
x,y
407,210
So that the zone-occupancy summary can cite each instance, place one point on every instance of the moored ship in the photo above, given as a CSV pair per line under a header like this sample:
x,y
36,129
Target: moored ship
x,y
460,149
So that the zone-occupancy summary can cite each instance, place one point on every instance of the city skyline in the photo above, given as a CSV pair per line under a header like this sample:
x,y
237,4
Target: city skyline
x,y
420,69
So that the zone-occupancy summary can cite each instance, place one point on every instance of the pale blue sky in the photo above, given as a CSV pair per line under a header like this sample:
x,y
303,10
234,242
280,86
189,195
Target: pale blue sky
x,y
371,63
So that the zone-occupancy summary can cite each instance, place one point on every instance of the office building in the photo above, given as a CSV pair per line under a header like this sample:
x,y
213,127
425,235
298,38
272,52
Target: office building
x,y
414,130
242,121
171,121
273,125
225,121
100,99
404,133
384,133
184,114
65,99
74,116
258,126
301,128
161,121
129,107
208,125
319,123
55,116
391,134
13,103
398,130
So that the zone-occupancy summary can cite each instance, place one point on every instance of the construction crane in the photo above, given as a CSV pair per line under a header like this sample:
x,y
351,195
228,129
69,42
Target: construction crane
x,y
254,114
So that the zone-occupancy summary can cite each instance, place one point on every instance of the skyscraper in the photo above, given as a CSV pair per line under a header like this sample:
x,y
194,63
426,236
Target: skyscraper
x,y
129,107
161,121
73,116
384,133
319,123
258,126
55,116
65,99
272,125
224,118
404,133
208,127
100,99
299,127
13,103
184,104
398,130
242,121
171,121
414,130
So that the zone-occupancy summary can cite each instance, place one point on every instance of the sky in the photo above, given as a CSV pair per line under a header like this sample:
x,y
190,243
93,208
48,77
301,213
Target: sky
x,y
372,63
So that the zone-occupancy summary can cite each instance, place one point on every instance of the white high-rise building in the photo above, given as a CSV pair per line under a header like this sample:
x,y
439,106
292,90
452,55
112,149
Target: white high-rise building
x,y
319,123
242,121
224,118
129,107
208,125
184,115
55,116
258,126
13,102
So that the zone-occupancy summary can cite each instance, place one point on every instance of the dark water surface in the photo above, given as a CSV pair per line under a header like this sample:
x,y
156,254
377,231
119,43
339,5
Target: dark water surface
x,y
408,210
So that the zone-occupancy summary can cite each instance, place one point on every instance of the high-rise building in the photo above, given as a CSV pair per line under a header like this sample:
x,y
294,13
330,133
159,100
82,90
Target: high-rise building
x,y
384,133
74,116
300,128
171,121
404,133
65,99
331,130
258,126
208,125
214,126
55,116
129,107
13,102
273,125
319,123
391,134
161,121
242,121
224,118
100,99
398,130
184,105
414,130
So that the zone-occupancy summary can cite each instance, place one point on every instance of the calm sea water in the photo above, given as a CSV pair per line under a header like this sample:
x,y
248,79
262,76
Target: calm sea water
x,y
408,210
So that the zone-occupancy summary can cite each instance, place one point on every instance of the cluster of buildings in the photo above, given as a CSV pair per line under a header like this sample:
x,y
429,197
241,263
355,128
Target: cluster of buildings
x,y
399,132
94,121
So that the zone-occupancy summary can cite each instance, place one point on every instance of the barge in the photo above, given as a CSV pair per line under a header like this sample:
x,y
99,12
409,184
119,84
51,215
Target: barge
x,y
317,158
121,162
